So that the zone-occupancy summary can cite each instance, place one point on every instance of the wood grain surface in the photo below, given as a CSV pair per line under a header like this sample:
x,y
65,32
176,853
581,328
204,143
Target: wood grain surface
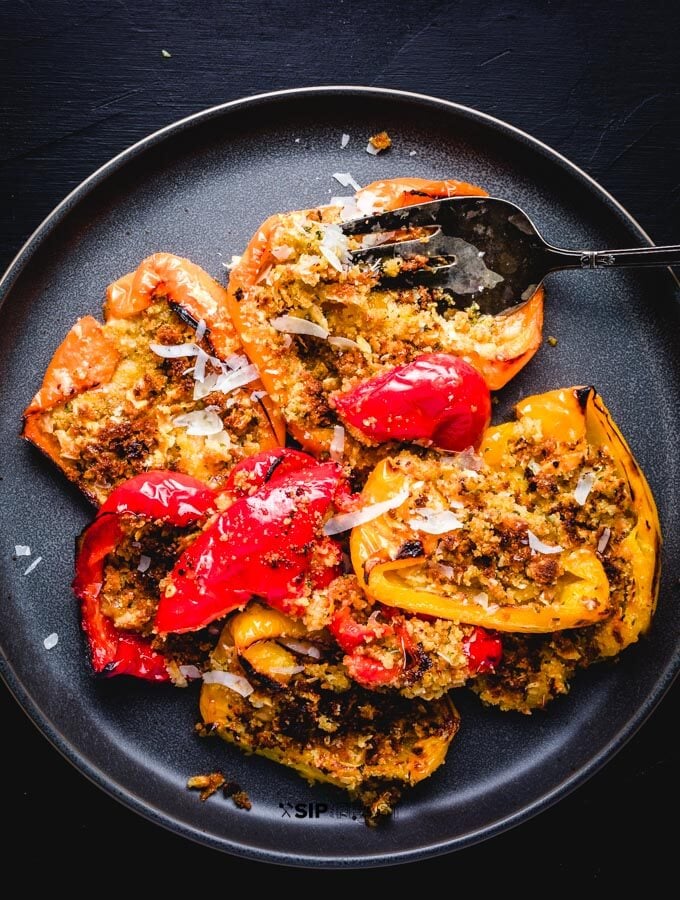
x,y
600,82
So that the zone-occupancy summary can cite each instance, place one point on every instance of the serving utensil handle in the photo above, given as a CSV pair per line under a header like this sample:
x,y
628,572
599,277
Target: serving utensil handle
x,y
607,259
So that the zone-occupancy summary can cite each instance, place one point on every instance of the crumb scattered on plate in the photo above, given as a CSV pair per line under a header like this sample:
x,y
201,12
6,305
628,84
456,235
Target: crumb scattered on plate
x,y
378,142
206,784
210,783
238,795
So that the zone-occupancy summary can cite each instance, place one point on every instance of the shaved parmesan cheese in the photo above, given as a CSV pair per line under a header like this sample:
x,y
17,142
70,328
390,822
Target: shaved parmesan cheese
x,y
201,361
201,329
482,599
368,203
537,545
236,361
235,260
51,641
237,378
331,257
190,671
375,240
296,325
604,539
343,343
337,445
234,682
205,386
584,487
281,253
345,521
435,521
144,563
257,396
344,141
226,381
200,422
371,149
469,460
36,562
21,550
304,647
346,180
349,209
444,571
285,670
174,351
335,246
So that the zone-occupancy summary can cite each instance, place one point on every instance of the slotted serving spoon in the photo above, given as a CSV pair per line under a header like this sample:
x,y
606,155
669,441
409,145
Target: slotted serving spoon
x,y
481,250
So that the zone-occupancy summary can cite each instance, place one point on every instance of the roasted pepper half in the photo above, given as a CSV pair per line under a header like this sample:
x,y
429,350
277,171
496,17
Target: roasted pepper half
x,y
498,351
167,496
564,469
267,544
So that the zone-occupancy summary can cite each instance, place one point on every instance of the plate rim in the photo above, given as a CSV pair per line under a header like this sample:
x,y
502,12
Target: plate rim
x,y
108,784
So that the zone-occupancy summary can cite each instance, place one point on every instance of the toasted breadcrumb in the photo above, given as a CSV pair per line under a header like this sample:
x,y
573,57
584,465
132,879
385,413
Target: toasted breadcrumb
x,y
381,141
207,784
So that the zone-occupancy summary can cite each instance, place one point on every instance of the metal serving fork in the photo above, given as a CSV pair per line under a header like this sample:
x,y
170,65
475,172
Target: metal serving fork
x,y
481,250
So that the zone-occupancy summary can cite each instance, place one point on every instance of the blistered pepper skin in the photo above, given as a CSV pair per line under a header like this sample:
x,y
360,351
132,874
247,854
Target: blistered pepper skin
x,y
437,398
267,544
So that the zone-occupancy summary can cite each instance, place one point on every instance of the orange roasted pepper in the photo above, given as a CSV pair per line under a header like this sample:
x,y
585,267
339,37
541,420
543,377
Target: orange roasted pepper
x,y
190,287
583,595
88,356
518,333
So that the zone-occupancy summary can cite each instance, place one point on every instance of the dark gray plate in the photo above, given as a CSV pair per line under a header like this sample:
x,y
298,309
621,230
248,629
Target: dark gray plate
x,y
200,188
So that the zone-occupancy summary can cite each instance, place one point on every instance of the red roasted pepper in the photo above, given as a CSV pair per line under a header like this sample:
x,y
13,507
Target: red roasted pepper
x,y
176,498
170,496
483,650
365,668
437,398
267,544
253,472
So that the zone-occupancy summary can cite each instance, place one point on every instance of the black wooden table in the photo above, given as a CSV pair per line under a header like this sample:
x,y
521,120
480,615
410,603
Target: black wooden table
x,y
600,82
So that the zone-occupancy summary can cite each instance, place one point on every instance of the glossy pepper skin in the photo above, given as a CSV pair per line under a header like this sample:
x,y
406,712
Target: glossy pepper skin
x,y
161,494
565,415
268,544
484,651
437,398
169,496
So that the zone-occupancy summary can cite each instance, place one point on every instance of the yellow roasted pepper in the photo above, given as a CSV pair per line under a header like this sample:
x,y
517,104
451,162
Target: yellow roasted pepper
x,y
394,569
253,635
